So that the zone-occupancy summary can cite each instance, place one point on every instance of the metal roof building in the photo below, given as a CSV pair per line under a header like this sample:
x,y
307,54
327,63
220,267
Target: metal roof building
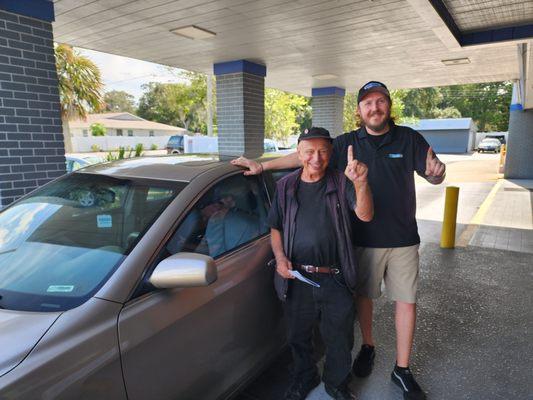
x,y
448,135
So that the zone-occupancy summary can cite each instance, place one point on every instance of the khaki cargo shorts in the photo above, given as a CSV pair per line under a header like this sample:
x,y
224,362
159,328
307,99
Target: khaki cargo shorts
x,y
396,266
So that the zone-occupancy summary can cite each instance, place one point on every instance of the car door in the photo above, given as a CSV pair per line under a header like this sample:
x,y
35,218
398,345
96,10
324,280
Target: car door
x,y
198,343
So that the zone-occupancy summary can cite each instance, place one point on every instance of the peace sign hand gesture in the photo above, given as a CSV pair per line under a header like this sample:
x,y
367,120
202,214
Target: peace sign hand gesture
x,y
434,167
356,171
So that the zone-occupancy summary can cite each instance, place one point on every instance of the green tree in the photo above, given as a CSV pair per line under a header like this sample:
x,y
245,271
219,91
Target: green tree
x,y
119,101
282,110
80,87
97,129
486,103
422,103
179,104
448,112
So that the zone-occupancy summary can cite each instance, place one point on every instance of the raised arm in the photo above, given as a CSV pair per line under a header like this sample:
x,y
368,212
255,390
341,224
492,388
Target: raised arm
x,y
357,172
283,265
255,168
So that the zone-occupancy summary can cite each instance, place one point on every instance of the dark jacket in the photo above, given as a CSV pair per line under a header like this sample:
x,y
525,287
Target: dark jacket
x,y
339,209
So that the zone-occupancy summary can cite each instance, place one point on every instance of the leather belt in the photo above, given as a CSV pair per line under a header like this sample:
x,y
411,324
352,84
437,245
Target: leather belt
x,y
317,270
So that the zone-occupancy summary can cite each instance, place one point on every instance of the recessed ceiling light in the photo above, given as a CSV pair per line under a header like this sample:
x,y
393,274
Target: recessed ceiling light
x,y
323,77
193,32
456,61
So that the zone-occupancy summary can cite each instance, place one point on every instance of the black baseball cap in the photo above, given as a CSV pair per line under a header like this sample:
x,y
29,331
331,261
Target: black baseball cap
x,y
315,133
372,86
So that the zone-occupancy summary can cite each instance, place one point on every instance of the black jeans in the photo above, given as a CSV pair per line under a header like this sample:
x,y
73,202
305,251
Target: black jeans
x,y
332,304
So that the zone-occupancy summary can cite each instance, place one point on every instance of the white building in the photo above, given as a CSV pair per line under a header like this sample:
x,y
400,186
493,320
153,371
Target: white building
x,y
122,130
122,124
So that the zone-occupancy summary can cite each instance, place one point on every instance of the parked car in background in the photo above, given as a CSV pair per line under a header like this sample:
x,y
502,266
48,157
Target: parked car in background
x,y
175,145
270,146
489,144
74,163
501,138
142,278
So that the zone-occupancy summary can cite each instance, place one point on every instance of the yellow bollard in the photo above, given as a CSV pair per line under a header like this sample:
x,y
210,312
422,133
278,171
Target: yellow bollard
x,y
503,152
447,239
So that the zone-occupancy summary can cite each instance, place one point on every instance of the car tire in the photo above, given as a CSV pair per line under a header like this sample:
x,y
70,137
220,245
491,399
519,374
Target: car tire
x,y
176,152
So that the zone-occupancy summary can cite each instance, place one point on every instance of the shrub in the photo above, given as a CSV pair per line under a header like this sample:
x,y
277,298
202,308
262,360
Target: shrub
x,y
110,156
139,149
95,148
97,129
153,146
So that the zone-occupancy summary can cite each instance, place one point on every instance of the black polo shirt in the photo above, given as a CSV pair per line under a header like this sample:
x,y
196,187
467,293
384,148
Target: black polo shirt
x,y
390,174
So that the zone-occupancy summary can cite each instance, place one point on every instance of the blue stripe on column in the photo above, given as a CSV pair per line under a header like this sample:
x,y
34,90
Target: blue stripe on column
x,y
232,67
516,107
328,91
40,9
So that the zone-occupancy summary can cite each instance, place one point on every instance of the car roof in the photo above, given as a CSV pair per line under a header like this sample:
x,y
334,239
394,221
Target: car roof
x,y
183,167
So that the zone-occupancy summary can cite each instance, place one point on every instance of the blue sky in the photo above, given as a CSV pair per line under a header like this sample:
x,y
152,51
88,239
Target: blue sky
x,y
128,74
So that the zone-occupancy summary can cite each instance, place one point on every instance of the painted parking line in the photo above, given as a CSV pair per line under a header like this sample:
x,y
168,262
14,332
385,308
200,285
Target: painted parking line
x,y
478,218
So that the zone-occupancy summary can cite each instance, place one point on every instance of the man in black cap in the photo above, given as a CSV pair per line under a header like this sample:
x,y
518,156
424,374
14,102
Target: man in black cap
x,y
311,233
388,245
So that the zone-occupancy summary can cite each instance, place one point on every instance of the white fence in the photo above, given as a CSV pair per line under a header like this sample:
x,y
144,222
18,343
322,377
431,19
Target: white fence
x,y
107,143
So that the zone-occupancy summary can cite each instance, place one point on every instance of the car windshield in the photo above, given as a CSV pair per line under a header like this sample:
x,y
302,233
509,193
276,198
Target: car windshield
x,y
59,245
490,141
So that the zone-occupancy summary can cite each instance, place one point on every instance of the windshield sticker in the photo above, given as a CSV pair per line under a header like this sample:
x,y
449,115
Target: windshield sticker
x,y
60,288
104,221
395,155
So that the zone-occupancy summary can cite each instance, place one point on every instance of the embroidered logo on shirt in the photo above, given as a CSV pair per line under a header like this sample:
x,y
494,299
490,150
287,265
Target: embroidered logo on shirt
x,y
395,155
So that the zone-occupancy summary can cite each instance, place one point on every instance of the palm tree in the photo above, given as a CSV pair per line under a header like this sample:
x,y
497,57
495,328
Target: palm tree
x,y
80,87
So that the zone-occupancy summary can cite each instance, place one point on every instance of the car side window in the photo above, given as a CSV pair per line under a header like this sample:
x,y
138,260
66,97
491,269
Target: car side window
x,y
233,212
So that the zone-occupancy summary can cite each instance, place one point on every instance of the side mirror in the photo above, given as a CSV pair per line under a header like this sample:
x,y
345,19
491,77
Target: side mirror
x,y
184,270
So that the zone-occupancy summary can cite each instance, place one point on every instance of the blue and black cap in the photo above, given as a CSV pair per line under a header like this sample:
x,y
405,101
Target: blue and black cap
x,y
372,86
315,133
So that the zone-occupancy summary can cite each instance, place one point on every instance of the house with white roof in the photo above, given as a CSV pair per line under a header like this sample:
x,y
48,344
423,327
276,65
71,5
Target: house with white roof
x,y
122,130
123,124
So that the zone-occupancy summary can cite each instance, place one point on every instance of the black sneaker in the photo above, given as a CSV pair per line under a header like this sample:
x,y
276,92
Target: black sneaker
x,y
299,390
405,380
342,392
362,366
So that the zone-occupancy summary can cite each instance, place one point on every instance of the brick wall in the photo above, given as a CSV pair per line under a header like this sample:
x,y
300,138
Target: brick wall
x,y
240,114
328,113
31,139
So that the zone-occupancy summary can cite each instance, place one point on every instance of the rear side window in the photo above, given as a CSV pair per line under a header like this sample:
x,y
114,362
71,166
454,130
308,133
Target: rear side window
x,y
176,140
230,214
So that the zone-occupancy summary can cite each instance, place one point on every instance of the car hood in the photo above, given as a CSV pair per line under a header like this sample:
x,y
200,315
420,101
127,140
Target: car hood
x,y
19,333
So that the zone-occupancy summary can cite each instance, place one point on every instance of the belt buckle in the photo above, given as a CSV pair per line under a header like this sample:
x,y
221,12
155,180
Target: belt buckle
x,y
309,268
335,271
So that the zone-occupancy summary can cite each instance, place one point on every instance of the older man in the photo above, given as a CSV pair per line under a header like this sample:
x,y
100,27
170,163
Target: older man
x,y
387,246
311,232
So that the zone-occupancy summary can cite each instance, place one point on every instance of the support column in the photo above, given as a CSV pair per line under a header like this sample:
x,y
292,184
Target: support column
x,y
328,109
31,140
518,163
240,108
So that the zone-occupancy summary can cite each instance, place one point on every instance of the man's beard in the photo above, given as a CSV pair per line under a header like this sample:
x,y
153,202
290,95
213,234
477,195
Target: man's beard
x,y
378,127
